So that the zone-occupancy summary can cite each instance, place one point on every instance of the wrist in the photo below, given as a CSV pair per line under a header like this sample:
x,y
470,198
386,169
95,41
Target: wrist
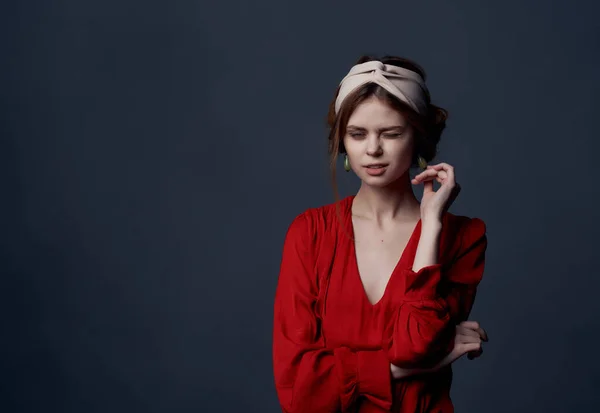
x,y
401,372
431,224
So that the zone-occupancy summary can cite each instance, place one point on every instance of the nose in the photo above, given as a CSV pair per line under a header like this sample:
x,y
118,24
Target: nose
x,y
374,146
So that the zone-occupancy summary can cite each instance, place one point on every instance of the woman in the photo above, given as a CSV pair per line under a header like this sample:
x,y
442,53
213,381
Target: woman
x,y
374,290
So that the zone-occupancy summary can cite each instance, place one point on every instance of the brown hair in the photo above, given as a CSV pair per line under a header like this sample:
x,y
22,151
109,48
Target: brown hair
x,y
427,129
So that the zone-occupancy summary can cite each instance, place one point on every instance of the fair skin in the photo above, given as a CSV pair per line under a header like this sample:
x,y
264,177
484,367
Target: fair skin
x,y
379,143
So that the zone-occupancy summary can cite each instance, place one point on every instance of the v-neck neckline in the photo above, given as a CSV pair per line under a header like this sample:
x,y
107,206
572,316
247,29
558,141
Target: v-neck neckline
x,y
401,260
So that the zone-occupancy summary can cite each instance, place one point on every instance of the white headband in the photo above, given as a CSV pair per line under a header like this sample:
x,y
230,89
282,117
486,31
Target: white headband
x,y
406,85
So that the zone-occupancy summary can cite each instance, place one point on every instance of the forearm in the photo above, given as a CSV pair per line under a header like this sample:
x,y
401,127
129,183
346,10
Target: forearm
x,y
401,373
428,247
420,332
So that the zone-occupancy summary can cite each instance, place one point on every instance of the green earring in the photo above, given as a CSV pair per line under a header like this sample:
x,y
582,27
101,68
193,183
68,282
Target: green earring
x,y
422,162
346,163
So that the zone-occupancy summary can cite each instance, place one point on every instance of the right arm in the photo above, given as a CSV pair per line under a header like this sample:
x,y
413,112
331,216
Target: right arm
x,y
308,376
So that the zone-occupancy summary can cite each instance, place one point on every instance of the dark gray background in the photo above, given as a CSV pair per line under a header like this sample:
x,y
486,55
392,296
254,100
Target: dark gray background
x,y
153,153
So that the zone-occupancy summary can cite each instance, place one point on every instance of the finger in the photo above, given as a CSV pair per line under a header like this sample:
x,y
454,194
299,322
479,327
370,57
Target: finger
x,y
475,326
442,165
483,334
474,354
468,336
467,332
428,178
445,167
477,353
465,348
468,339
427,187
459,351
443,179
437,178
425,174
431,172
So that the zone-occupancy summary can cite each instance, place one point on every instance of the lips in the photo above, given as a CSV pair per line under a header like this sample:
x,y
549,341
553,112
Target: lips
x,y
376,169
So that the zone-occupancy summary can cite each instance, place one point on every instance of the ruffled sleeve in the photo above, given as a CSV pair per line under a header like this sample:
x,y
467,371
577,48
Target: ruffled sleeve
x,y
308,376
435,299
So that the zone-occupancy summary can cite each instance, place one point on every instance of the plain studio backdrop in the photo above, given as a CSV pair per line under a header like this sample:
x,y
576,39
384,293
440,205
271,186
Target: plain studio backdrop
x,y
153,154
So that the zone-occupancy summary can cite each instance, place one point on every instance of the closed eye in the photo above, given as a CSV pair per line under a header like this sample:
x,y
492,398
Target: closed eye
x,y
358,134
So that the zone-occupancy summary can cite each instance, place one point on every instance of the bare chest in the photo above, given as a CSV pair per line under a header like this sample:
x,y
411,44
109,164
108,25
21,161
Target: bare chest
x,y
378,253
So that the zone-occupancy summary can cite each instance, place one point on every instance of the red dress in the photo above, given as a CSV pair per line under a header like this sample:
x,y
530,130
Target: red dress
x,y
332,348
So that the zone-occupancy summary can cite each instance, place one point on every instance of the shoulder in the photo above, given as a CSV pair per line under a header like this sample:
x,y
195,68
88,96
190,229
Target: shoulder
x,y
322,219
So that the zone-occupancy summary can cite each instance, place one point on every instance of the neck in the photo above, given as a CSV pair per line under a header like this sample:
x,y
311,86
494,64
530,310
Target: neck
x,y
396,201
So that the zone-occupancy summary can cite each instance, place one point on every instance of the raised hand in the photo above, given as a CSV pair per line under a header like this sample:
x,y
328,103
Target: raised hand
x,y
435,203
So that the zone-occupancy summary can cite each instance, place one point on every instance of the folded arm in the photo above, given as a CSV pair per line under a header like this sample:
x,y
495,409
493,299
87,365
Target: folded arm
x,y
436,298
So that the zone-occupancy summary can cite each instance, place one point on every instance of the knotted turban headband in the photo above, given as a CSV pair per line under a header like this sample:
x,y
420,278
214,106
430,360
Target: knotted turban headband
x,y
406,85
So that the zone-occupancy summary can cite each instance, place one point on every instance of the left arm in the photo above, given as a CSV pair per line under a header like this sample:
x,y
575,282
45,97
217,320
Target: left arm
x,y
422,332
428,247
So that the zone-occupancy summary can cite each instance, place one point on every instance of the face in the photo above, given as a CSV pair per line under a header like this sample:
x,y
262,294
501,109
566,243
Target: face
x,y
379,143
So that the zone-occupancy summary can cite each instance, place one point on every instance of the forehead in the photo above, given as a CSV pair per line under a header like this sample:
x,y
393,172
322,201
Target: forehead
x,y
374,112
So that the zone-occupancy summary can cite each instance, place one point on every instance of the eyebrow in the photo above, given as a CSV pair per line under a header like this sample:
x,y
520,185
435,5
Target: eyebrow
x,y
387,128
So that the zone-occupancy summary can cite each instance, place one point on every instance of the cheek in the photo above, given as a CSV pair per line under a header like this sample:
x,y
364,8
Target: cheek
x,y
400,149
350,146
